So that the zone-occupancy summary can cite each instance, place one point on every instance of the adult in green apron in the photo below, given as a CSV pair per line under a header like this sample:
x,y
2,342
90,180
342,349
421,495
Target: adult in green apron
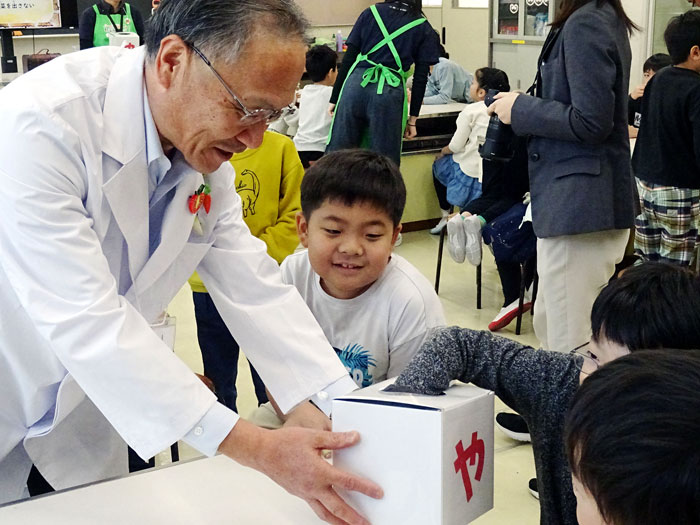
x,y
369,97
105,17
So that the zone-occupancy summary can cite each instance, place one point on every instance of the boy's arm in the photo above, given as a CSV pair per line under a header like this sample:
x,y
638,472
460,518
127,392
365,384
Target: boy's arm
x,y
694,115
281,238
518,374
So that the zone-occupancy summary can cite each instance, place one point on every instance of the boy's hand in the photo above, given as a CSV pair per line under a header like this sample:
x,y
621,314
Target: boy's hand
x,y
331,109
638,92
292,458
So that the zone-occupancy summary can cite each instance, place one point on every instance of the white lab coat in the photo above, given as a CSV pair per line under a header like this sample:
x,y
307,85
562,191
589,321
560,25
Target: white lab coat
x,y
73,206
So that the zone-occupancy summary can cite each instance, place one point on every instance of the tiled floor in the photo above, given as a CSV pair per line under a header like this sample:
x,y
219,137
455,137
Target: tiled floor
x,y
514,464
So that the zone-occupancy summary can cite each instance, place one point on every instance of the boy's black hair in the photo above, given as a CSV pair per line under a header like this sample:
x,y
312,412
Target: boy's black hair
x,y
652,305
656,62
681,34
352,176
492,78
319,61
631,438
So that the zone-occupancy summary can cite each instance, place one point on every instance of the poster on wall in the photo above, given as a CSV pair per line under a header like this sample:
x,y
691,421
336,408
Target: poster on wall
x,y
29,13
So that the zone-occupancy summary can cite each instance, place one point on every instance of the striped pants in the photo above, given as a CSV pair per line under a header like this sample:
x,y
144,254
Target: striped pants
x,y
667,227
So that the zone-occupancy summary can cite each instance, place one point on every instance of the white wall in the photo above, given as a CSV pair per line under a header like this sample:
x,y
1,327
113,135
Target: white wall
x,y
638,11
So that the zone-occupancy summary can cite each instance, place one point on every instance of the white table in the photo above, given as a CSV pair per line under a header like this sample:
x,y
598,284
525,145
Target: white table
x,y
203,491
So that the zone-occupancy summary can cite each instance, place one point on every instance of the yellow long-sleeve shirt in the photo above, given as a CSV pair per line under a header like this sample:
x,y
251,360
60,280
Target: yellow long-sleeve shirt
x,y
268,180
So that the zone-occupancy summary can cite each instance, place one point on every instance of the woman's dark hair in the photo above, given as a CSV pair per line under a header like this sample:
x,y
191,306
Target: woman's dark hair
x,y
353,176
319,61
631,438
492,78
568,7
651,305
656,62
415,7
682,33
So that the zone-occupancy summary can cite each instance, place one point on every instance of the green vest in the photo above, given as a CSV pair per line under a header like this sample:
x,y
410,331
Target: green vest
x,y
106,24
378,73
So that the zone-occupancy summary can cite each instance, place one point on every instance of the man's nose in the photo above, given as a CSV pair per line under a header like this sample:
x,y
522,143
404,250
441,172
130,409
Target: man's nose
x,y
252,136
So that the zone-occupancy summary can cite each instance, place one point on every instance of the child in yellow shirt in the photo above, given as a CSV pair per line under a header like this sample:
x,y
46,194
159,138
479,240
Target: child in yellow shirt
x,y
267,180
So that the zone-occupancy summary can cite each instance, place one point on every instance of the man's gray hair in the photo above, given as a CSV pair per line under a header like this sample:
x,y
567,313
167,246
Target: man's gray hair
x,y
222,28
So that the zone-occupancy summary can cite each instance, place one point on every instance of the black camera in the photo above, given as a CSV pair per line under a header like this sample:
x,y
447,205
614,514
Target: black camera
x,y
500,138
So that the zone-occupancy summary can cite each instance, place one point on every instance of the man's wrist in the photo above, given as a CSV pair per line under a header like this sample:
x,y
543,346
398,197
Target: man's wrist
x,y
243,443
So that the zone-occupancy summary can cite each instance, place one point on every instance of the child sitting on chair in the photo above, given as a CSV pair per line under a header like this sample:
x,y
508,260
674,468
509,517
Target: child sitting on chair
x,y
457,168
375,308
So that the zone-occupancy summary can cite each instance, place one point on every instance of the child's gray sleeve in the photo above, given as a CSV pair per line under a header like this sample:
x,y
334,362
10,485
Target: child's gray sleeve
x,y
518,374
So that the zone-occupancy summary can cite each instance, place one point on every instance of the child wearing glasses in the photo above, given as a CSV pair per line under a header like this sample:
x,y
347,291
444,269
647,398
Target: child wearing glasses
x,y
637,311
633,452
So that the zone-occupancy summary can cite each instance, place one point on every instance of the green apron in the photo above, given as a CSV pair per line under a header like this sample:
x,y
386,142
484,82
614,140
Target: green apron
x,y
104,25
379,73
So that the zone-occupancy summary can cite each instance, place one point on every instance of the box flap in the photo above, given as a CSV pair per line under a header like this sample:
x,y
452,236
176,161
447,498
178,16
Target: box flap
x,y
456,395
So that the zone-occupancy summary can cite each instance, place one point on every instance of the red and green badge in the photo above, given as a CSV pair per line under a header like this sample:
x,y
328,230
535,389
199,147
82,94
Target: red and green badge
x,y
200,198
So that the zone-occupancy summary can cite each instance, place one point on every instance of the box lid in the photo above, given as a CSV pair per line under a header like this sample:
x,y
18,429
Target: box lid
x,y
456,395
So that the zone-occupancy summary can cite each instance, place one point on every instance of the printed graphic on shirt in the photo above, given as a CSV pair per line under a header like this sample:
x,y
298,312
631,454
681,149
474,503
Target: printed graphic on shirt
x,y
637,120
357,361
248,189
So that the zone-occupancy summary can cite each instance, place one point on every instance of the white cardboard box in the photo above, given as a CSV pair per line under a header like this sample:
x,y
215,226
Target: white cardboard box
x,y
432,455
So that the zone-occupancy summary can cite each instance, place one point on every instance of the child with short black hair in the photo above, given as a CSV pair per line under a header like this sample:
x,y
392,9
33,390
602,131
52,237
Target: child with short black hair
x,y
666,158
457,170
375,308
637,311
633,451
314,120
634,105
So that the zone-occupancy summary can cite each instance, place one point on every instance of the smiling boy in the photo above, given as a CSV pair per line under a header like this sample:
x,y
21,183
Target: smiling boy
x,y
375,308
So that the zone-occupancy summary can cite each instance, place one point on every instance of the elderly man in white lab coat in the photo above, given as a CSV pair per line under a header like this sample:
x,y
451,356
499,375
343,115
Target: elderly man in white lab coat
x,y
100,154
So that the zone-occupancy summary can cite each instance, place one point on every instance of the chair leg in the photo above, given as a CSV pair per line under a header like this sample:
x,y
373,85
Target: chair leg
x,y
521,300
439,259
535,282
478,287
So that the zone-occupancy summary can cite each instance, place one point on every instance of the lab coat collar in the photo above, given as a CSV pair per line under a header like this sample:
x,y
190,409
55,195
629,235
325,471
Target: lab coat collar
x,y
124,139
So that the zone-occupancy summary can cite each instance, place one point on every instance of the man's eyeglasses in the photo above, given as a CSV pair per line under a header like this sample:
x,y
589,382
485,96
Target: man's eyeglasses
x,y
250,117
590,362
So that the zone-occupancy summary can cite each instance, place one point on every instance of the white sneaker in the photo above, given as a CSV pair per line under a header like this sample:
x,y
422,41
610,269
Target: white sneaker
x,y
440,225
508,313
456,238
472,233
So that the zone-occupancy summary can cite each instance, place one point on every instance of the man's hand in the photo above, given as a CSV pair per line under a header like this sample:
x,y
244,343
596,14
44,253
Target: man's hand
x,y
503,106
292,458
307,415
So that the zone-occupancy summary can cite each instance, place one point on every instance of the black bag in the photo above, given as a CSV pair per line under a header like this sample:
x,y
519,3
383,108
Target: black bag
x,y
29,62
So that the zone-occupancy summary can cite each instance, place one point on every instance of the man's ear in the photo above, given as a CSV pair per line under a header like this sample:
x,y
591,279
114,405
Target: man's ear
x,y
302,229
695,53
395,236
172,55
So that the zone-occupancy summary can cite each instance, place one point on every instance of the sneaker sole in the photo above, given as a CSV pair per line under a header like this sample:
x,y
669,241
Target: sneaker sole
x,y
517,436
455,232
534,493
472,231
504,321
